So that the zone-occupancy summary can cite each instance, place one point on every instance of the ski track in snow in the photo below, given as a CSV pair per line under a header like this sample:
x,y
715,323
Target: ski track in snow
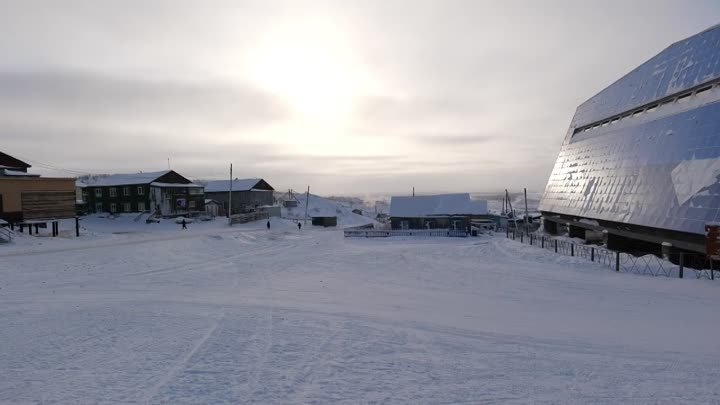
x,y
281,317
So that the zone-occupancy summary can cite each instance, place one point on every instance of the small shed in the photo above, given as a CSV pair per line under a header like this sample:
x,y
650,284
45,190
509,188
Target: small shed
x,y
324,221
213,207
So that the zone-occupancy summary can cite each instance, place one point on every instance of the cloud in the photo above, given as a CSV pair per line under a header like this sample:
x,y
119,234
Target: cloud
x,y
62,98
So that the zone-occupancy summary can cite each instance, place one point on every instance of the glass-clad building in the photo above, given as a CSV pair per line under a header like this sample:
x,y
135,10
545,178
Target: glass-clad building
x,y
641,159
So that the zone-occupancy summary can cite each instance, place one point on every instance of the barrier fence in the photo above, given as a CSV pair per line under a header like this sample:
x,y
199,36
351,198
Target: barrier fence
x,y
674,264
250,217
361,233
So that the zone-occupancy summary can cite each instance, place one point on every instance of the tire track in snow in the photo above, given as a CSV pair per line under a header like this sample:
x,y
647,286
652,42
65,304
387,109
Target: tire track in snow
x,y
175,369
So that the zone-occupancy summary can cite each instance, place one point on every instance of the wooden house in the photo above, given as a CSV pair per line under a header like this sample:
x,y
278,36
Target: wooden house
x,y
25,196
247,194
165,193
444,211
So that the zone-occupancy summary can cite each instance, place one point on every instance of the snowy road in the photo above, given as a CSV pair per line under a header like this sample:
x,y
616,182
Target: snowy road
x,y
288,317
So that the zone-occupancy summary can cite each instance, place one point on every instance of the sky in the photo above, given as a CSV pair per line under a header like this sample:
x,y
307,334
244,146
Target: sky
x,y
349,97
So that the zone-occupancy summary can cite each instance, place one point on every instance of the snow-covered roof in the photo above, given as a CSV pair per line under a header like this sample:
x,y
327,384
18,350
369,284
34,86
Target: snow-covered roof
x,y
17,173
217,186
436,205
166,185
126,179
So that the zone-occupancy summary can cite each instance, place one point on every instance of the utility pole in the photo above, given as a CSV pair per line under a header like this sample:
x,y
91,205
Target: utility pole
x,y
413,191
307,202
230,194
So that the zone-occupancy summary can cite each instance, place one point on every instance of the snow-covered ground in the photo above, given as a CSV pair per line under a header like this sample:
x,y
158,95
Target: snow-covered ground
x,y
217,315
323,207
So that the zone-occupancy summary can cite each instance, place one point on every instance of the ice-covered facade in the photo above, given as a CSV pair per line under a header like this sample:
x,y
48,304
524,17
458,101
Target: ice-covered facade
x,y
642,157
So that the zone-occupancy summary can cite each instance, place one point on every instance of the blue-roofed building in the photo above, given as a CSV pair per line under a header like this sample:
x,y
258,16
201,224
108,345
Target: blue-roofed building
x,y
641,159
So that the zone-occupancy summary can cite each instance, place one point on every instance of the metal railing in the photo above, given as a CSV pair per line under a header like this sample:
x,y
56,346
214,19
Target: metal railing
x,y
672,265
6,235
360,233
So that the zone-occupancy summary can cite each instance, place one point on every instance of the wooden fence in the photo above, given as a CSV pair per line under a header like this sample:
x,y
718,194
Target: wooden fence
x,y
249,217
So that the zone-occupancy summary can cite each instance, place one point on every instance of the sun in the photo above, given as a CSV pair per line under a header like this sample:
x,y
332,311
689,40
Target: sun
x,y
312,68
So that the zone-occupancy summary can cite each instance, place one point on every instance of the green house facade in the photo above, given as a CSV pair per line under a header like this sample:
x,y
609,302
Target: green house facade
x,y
163,193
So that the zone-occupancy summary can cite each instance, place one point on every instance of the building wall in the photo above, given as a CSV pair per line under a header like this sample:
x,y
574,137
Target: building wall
x,y
243,201
52,196
136,194
435,222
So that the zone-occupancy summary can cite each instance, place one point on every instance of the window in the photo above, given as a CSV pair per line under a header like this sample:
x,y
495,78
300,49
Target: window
x,y
141,190
98,207
98,193
191,205
126,191
84,194
141,206
113,207
195,190
127,207
113,192
703,90
684,98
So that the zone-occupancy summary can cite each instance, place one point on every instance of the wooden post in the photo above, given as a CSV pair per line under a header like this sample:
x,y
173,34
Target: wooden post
x,y
522,236
543,242
592,254
77,227
572,249
229,213
617,261
712,270
527,220
555,245
681,266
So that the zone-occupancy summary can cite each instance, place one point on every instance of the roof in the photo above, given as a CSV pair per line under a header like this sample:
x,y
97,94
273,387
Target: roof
x,y
436,205
683,65
218,186
167,185
126,179
11,162
15,173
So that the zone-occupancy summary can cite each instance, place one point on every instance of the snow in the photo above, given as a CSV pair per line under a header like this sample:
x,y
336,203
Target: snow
x,y
17,173
691,176
125,179
217,186
323,207
434,205
178,185
215,315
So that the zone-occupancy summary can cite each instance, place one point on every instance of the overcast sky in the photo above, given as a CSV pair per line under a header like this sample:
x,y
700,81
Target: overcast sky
x,y
350,97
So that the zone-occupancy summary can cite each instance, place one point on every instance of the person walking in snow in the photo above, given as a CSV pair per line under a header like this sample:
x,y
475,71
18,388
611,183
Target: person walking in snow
x,y
268,224
184,224
299,226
